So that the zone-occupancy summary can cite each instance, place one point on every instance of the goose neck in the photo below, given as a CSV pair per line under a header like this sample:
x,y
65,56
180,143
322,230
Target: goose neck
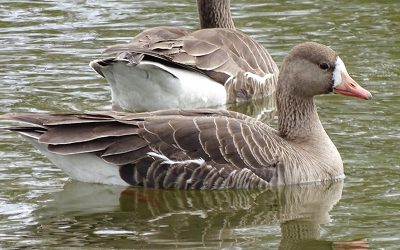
x,y
215,14
298,118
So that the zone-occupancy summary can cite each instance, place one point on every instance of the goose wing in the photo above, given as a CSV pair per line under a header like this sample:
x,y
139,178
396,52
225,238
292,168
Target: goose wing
x,y
195,149
219,53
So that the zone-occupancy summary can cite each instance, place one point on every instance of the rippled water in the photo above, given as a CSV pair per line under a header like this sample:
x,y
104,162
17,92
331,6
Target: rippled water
x,y
46,48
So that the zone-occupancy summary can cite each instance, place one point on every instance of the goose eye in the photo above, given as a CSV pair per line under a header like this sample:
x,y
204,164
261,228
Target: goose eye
x,y
324,66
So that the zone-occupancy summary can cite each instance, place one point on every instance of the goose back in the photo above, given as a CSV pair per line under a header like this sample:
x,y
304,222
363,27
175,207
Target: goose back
x,y
227,56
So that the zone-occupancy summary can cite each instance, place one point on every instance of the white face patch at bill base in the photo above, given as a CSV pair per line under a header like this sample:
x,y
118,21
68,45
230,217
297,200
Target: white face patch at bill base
x,y
337,73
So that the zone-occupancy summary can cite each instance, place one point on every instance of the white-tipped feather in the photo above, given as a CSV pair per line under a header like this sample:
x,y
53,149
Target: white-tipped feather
x,y
259,78
169,161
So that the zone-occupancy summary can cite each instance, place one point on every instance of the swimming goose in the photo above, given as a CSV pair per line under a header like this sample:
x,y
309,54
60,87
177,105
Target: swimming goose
x,y
204,149
170,67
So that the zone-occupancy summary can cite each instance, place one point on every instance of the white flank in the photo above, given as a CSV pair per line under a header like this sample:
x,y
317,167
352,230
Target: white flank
x,y
169,161
337,73
154,86
84,167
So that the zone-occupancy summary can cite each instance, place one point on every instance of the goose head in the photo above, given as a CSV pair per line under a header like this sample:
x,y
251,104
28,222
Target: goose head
x,y
312,69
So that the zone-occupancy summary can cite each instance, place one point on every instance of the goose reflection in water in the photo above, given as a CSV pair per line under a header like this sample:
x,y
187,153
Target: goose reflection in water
x,y
149,218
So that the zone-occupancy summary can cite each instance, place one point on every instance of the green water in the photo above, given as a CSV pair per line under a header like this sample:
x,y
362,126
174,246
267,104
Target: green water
x,y
45,50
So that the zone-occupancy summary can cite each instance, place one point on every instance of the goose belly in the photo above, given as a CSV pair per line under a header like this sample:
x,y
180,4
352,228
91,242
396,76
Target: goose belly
x,y
153,86
83,167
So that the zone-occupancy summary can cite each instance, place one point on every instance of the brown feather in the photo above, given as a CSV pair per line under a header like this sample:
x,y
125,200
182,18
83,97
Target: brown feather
x,y
125,144
65,134
128,157
198,47
82,147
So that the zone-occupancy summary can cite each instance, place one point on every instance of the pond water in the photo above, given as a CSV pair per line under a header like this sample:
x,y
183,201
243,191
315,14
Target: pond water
x,y
46,48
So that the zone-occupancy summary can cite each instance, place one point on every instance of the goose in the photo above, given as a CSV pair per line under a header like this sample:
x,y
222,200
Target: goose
x,y
172,67
204,148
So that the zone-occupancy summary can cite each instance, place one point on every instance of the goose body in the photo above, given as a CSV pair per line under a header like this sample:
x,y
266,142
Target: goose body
x,y
204,149
170,67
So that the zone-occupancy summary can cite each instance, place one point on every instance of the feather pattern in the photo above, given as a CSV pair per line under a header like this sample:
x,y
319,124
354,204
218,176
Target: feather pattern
x,y
227,57
172,149
221,54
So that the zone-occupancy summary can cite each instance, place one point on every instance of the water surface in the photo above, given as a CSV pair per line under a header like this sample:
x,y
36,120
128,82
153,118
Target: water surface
x,y
46,48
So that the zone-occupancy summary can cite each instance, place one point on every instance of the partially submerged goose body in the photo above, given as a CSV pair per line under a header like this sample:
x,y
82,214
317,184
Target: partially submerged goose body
x,y
170,67
205,149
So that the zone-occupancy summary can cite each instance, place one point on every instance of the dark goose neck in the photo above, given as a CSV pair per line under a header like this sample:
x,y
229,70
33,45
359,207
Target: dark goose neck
x,y
215,14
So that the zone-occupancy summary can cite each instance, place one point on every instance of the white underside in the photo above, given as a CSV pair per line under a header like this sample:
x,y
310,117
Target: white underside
x,y
154,86
84,167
